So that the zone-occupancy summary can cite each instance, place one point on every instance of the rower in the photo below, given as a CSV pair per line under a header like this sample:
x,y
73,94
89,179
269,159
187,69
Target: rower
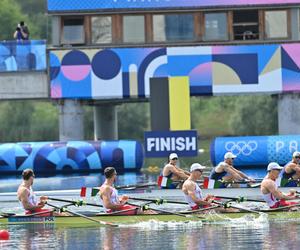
x,y
273,197
109,195
171,173
225,172
192,192
290,174
27,197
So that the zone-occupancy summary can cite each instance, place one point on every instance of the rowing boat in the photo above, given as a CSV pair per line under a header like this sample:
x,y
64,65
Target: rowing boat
x,y
151,193
73,221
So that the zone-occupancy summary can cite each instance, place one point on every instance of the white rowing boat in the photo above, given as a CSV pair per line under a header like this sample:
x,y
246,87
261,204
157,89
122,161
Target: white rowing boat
x,y
150,193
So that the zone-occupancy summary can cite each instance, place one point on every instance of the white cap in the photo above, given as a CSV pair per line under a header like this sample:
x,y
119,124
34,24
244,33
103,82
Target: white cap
x,y
229,155
172,156
196,166
296,154
274,166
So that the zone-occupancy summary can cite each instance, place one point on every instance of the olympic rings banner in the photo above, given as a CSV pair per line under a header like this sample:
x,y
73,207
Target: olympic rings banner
x,y
255,150
92,5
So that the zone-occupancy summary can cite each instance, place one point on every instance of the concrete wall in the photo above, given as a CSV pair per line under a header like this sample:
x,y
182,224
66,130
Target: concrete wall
x,y
24,85
105,122
70,120
56,27
295,24
289,114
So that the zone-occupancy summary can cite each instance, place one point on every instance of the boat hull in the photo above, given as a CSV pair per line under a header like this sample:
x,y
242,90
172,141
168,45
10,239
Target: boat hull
x,y
69,221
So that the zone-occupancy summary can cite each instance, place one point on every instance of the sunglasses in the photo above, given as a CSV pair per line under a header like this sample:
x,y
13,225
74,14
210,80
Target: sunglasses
x,y
175,159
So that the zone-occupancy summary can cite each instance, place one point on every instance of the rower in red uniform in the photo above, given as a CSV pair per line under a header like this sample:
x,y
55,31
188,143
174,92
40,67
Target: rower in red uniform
x,y
27,197
273,197
192,192
109,195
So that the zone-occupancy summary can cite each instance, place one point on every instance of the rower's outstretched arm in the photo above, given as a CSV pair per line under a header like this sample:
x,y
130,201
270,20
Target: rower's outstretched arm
x,y
296,168
242,174
234,173
180,173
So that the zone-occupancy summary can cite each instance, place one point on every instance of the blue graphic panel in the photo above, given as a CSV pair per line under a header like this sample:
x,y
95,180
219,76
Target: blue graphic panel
x,y
74,156
23,56
211,70
255,150
79,5
245,66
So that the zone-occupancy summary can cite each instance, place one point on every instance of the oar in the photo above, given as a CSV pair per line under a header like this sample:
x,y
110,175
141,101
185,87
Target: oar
x,y
75,203
40,213
240,182
166,211
239,199
158,201
6,215
136,186
105,223
199,210
227,205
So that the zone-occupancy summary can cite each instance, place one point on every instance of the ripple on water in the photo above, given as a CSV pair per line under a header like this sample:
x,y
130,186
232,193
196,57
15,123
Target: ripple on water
x,y
161,225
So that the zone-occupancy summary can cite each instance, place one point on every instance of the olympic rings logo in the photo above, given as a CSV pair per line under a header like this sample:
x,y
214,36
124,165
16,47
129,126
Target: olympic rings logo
x,y
241,147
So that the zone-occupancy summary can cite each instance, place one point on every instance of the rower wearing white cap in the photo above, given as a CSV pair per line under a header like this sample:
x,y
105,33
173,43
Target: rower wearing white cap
x,y
290,174
171,172
274,197
226,172
192,192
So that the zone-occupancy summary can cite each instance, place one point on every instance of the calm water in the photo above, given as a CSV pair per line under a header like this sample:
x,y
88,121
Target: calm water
x,y
11,183
236,235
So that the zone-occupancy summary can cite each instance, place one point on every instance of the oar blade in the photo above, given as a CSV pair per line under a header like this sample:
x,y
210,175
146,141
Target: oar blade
x,y
105,223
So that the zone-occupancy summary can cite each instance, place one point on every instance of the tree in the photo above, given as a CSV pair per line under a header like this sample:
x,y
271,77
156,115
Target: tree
x,y
15,121
255,115
209,115
30,11
133,120
43,124
10,16
37,19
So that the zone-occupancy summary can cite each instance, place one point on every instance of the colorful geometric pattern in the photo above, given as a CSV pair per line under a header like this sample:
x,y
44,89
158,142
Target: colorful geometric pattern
x,y
92,5
22,56
211,70
74,156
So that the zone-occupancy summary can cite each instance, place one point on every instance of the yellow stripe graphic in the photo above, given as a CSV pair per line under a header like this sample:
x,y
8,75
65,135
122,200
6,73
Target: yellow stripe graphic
x,y
179,103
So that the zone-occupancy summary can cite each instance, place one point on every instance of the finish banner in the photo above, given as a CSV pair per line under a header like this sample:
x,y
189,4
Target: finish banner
x,y
162,143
